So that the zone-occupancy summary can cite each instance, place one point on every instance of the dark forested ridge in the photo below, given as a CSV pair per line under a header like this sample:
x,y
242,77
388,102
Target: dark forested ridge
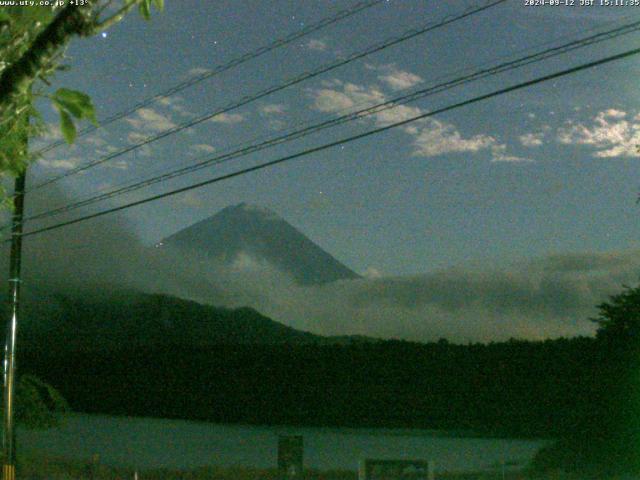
x,y
512,388
131,320
161,356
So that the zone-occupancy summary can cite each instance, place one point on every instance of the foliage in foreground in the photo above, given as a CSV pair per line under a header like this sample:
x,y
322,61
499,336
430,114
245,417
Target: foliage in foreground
x,y
32,43
38,404
607,441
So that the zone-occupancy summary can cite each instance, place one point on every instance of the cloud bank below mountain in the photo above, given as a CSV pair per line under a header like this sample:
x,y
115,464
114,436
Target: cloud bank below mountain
x,y
541,298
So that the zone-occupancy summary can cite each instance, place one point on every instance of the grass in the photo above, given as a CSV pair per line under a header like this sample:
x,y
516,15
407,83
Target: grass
x,y
48,468
41,468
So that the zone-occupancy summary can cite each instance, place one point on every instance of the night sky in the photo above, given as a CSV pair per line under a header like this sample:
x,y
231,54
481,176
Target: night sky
x,y
533,178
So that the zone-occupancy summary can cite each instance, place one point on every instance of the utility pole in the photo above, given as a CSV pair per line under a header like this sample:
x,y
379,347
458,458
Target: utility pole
x,y
8,432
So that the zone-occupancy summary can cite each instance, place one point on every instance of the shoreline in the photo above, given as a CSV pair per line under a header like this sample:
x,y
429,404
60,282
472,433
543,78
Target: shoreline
x,y
344,430
56,468
178,444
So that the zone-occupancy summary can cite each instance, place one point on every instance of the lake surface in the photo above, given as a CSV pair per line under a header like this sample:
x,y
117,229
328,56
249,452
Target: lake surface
x,y
145,443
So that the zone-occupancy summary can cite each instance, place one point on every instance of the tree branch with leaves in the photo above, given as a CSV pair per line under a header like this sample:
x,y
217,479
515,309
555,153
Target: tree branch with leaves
x,y
32,44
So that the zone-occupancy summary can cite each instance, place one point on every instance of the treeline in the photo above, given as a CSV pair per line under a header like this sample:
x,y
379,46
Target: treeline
x,y
511,388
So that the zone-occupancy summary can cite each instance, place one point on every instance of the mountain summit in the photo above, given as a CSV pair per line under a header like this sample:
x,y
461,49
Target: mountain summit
x,y
244,231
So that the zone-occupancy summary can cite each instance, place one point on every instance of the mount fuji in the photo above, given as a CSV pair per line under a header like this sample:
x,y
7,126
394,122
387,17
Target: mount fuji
x,y
246,233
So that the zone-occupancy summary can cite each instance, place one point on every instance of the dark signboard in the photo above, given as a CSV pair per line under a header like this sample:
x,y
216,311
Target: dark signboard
x,y
377,469
290,455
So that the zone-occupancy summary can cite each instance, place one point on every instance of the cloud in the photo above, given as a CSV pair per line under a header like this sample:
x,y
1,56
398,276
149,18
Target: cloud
x,y
136,137
51,133
561,285
133,138
203,148
542,298
437,138
372,272
95,257
118,165
175,104
399,113
97,252
498,154
395,78
59,163
610,133
107,150
145,151
276,124
196,72
431,137
327,100
531,139
317,45
614,113
273,109
227,118
95,141
331,100
349,97
148,119
399,79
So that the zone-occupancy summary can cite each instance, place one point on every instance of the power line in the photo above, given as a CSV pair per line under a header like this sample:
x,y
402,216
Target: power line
x,y
309,29
326,146
409,34
389,104
131,182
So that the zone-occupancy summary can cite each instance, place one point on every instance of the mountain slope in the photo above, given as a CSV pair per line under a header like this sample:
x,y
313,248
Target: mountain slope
x,y
261,235
134,320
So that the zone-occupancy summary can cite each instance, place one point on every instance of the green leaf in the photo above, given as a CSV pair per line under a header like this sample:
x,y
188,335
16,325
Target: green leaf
x,y
67,127
76,103
145,9
159,4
